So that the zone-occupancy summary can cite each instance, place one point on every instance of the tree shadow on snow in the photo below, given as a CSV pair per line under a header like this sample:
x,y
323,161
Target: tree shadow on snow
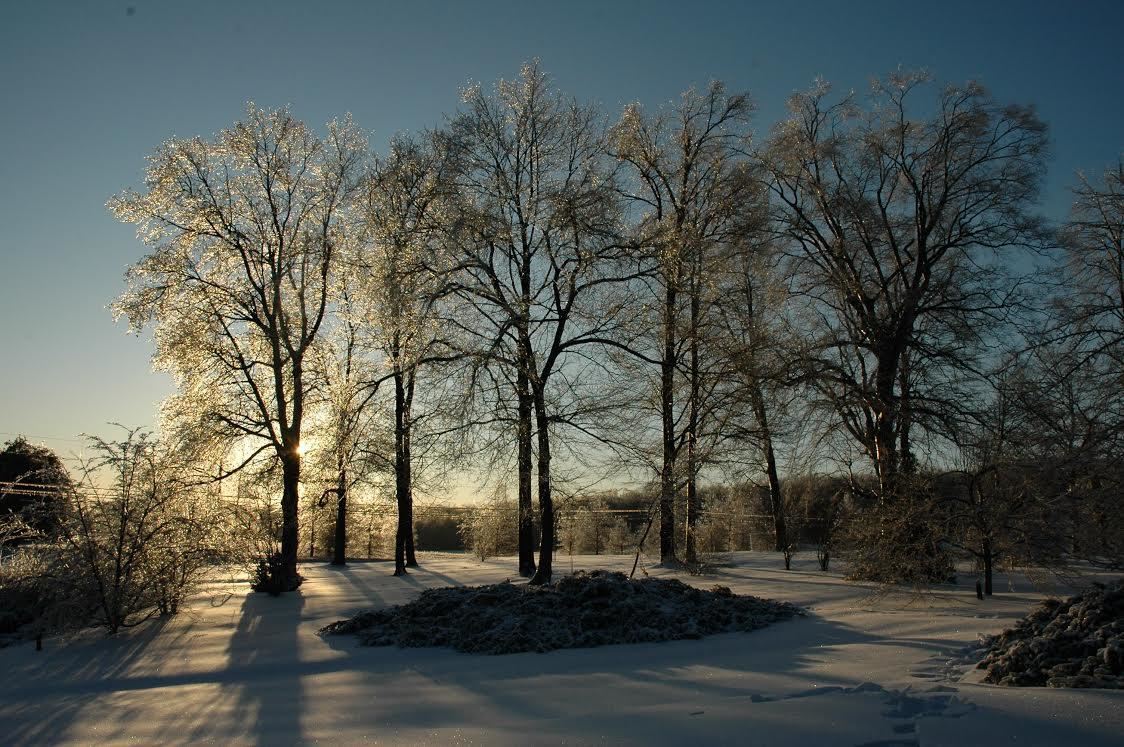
x,y
263,670
422,570
506,684
72,672
771,673
360,582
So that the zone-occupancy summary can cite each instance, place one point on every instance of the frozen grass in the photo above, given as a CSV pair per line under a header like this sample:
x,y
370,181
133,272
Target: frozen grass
x,y
863,666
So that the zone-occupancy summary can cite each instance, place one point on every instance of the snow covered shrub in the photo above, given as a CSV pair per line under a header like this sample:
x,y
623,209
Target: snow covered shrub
x,y
254,540
586,609
131,541
1075,642
585,526
22,597
252,535
830,525
723,525
491,529
901,542
268,577
621,539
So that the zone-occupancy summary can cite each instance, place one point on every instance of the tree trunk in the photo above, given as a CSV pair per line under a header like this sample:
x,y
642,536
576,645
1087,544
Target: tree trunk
x,y
401,475
312,536
776,499
523,387
667,404
408,469
526,510
905,420
339,547
291,475
989,562
546,501
885,448
692,506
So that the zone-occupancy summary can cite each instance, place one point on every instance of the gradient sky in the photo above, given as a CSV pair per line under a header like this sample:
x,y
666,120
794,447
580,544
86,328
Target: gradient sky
x,y
88,89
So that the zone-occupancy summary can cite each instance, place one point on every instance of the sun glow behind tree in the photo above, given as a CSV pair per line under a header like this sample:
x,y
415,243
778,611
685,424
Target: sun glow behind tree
x,y
245,234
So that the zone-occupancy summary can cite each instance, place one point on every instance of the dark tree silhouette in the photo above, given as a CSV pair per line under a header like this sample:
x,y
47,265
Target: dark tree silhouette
x,y
30,478
893,223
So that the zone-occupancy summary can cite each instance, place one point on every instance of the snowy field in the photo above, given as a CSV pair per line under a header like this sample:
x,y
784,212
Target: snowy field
x,y
861,669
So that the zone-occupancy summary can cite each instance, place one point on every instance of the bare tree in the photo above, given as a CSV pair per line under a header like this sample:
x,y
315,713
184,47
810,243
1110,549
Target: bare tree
x,y
1090,308
488,529
350,450
998,505
245,235
539,252
1084,360
893,223
762,353
691,185
1070,440
407,213
131,540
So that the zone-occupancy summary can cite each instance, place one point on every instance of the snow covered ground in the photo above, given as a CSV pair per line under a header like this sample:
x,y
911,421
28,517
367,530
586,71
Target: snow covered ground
x,y
862,668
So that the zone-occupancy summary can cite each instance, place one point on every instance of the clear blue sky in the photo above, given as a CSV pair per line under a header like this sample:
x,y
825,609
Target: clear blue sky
x,y
88,89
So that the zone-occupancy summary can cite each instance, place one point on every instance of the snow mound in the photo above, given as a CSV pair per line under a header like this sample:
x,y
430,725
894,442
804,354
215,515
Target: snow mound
x,y
587,609
1078,642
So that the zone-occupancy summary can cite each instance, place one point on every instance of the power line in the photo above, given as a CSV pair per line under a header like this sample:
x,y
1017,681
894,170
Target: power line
x,y
43,438
448,510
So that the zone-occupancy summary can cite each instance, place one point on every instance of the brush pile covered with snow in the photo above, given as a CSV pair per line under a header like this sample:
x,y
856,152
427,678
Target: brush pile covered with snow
x,y
594,608
1077,642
